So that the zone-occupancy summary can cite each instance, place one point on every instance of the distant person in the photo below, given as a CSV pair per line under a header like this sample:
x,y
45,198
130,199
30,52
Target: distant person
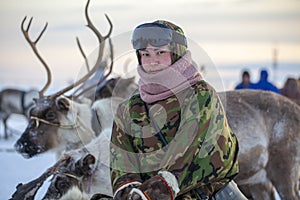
x,y
291,89
246,83
264,84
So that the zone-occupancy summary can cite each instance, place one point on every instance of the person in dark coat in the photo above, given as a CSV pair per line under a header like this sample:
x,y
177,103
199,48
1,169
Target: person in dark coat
x,y
264,84
246,82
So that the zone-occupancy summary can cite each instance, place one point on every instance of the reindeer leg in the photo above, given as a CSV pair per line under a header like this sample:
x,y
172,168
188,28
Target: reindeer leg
x,y
5,128
262,191
283,171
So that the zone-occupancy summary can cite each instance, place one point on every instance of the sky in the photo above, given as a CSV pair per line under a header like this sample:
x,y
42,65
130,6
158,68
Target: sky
x,y
230,32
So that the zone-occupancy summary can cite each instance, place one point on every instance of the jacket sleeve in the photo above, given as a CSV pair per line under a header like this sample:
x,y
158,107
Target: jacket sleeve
x,y
124,165
203,154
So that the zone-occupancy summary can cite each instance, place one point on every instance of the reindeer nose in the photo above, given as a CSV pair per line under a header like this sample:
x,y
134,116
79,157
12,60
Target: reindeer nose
x,y
19,146
23,148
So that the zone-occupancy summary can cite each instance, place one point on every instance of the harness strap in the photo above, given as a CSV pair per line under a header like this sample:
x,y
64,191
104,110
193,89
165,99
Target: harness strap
x,y
64,126
23,100
66,174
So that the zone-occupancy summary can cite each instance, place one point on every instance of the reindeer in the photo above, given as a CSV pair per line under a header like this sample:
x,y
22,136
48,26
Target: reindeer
x,y
268,128
88,172
8,103
55,118
15,101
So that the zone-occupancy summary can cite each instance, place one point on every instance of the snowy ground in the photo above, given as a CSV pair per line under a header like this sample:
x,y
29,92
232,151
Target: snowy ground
x,y
14,168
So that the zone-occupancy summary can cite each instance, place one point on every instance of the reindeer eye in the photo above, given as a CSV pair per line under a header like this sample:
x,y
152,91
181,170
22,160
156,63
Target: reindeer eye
x,y
50,115
62,185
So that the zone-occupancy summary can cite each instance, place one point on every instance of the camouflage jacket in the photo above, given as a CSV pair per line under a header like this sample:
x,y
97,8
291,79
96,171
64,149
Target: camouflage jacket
x,y
201,149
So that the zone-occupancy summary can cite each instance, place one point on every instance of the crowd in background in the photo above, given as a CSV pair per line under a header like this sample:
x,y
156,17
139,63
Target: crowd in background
x,y
290,89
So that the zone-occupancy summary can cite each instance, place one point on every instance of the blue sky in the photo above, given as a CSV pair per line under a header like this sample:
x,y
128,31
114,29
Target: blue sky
x,y
230,31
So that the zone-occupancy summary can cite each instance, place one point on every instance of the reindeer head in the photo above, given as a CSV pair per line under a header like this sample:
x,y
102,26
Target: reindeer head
x,y
46,118
72,176
61,183
52,116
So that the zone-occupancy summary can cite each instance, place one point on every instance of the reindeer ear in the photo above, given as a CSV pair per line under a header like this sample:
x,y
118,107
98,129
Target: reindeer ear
x,y
63,104
35,100
89,159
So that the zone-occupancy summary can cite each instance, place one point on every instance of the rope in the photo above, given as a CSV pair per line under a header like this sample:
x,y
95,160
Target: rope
x,y
66,174
88,128
64,126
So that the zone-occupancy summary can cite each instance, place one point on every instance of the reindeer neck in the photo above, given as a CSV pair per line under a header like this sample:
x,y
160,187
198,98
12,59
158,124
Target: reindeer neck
x,y
85,131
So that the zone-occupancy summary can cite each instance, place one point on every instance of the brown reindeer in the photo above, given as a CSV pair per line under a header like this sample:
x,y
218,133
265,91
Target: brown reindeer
x,y
268,128
15,101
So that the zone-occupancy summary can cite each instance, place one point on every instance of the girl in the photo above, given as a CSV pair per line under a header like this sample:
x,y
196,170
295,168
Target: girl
x,y
172,139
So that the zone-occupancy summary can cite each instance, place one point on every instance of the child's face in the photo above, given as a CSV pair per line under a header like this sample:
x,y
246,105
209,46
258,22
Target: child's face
x,y
155,59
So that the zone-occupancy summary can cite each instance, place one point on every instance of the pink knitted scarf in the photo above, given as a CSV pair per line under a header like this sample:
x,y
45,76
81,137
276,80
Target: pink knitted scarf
x,y
163,84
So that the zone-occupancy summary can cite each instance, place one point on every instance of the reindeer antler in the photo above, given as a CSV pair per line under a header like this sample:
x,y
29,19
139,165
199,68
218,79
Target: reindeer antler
x,y
105,77
33,46
101,40
83,54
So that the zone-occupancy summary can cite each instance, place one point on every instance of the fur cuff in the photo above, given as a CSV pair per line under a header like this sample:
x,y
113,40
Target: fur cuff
x,y
171,181
127,184
139,192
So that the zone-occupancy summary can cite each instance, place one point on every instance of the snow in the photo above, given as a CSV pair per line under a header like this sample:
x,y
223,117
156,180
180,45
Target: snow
x,y
15,169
